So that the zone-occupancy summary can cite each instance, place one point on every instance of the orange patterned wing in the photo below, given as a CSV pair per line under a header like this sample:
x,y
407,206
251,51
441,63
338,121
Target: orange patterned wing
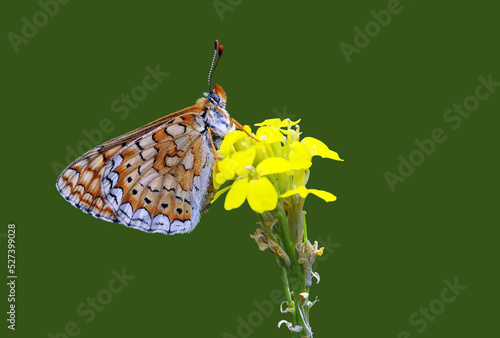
x,y
162,181
80,182
175,147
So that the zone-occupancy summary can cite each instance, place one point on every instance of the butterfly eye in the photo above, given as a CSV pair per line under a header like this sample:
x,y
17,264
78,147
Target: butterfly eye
x,y
213,98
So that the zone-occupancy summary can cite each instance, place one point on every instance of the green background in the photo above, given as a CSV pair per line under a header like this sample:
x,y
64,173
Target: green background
x,y
392,249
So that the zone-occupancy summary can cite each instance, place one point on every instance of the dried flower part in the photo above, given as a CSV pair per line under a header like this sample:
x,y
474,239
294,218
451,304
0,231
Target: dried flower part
x,y
290,308
307,255
265,242
290,326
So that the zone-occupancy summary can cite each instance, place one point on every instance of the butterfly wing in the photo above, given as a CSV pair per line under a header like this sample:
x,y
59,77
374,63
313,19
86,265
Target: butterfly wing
x,y
80,182
162,181
156,178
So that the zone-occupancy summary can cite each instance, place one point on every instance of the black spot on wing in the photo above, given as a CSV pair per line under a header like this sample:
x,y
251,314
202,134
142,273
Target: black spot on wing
x,y
153,190
114,196
138,144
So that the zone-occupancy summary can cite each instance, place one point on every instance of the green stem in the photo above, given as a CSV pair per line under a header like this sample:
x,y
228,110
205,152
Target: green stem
x,y
286,287
305,226
289,247
296,270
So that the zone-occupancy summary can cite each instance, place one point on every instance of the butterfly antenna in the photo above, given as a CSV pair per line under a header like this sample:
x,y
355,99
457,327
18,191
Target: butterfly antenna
x,y
218,50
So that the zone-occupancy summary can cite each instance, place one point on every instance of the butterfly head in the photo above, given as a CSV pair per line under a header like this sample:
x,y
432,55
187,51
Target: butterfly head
x,y
216,115
217,97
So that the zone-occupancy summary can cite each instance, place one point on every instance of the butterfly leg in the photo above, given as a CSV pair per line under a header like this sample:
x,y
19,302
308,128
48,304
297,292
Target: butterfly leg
x,y
213,147
239,126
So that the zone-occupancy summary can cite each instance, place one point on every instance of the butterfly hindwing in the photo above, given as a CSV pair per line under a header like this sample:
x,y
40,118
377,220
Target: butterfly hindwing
x,y
159,182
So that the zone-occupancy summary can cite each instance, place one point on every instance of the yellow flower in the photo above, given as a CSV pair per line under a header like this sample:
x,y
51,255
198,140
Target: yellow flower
x,y
252,185
276,166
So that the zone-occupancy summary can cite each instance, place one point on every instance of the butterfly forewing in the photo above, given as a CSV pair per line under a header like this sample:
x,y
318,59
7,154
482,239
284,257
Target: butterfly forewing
x,y
80,183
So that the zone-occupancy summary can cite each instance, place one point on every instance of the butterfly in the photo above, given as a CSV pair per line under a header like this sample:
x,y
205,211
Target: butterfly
x,y
157,178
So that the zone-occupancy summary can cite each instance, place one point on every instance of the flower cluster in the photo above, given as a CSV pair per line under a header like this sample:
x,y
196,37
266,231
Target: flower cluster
x,y
273,163
270,169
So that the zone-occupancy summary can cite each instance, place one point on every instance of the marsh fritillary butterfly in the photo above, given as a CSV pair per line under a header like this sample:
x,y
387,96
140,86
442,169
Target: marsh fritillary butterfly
x,y
157,178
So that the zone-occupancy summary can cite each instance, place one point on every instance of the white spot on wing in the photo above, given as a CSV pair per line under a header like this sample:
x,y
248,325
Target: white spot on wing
x,y
118,159
125,212
180,227
61,183
113,177
115,197
188,160
161,223
74,180
141,219
171,161
148,153
147,142
175,130
183,142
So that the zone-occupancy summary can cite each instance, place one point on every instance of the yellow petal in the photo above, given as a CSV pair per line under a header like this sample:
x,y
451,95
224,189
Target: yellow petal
x,y
227,170
303,192
325,195
284,123
277,123
243,159
220,192
261,195
237,195
319,148
218,180
299,156
229,140
273,165
269,135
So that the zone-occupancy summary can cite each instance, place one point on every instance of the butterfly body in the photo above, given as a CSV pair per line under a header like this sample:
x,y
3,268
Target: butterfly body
x,y
157,178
